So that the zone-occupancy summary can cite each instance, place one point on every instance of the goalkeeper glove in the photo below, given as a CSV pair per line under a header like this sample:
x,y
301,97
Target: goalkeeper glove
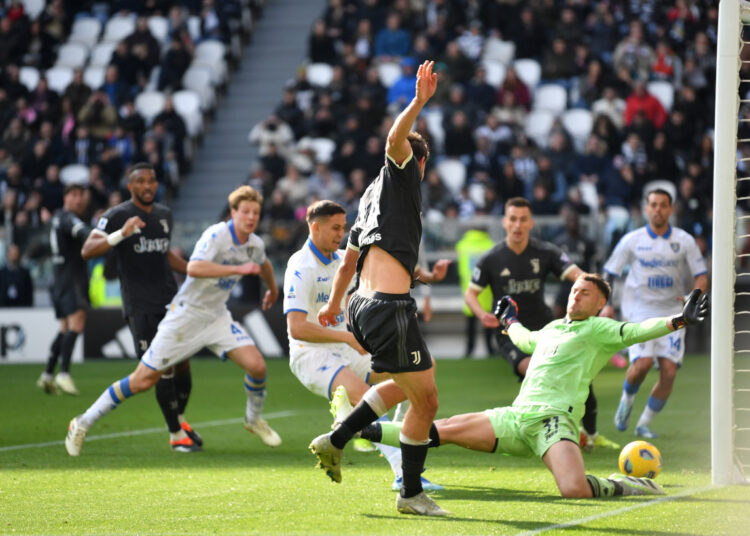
x,y
506,312
694,311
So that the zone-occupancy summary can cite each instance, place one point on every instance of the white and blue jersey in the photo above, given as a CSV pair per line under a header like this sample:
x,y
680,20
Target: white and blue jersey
x,y
218,244
307,285
662,270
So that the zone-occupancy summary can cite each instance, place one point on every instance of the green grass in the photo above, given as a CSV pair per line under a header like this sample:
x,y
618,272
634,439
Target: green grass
x,y
135,485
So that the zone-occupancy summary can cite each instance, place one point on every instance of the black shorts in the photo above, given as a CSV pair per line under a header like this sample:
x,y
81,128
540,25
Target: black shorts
x,y
510,352
143,327
386,326
70,299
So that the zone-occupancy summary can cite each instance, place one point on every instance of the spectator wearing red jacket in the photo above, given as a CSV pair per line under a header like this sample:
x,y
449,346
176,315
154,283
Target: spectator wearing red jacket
x,y
642,100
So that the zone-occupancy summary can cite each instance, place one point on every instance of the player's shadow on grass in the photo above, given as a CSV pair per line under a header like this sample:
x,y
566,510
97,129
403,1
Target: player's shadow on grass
x,y
492,494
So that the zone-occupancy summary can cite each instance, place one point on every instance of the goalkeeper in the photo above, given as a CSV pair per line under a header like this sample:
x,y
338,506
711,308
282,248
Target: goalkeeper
x,y
543,419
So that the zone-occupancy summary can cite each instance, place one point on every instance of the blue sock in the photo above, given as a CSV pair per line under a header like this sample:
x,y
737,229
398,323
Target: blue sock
x,y
655,404
630,388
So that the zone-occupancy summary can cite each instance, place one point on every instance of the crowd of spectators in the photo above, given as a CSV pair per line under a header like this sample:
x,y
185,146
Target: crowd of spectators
x,y
603,54
42,130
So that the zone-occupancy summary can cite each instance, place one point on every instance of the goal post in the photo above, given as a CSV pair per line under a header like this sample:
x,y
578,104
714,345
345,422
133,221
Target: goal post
x,y
726,467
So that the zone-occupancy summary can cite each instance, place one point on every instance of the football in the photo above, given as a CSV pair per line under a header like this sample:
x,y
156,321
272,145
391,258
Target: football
x,y
640,458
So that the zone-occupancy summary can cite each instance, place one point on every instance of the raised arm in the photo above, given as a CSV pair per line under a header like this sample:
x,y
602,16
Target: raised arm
x,y
397,146
98,242
327,315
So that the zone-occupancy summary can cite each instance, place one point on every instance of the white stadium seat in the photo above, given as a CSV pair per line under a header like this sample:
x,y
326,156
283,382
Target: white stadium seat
x,y
194,27
33,8
102,53
529,71
495,72
72,55
159,28
58,78
578,123
319,74
93,76
538,125
149,104
85,30
498,50
453,174
118,28
551,97
664,91
213,52
388,73
324,149
187,103
433,116
29,77
74,174
198,79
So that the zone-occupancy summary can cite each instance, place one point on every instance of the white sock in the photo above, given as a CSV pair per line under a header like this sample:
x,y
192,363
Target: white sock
x,y
401,409
103,405
256,396
628,399
646,417
393,455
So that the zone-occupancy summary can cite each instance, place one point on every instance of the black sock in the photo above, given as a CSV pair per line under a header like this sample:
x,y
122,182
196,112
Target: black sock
x,y
373,432
361,416
589,418
183,383
54,352
412,465
66,349
434,437
165,396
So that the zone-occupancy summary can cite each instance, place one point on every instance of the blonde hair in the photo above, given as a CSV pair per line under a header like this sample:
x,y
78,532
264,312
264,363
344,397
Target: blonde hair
x,y
244,193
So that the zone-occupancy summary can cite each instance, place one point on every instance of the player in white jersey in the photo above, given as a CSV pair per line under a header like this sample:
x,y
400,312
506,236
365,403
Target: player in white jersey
x,y
328,360
665,264
198,317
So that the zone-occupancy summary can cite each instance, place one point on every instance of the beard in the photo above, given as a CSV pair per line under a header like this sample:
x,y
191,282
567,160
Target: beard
x,y
144,201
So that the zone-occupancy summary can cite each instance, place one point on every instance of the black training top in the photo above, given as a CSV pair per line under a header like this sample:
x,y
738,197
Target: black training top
x,y
67,235
146,279
522,277
390,214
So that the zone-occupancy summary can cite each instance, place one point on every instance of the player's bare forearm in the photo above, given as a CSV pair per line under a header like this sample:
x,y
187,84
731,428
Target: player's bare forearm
x,y
343,276
397,146
95,245
701,282
176,262
302,329
573,273
205,269
471,299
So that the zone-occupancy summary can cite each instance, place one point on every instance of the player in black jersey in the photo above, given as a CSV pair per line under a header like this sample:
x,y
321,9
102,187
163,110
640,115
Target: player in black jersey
x,y
382,250
70,287
518,267
138,232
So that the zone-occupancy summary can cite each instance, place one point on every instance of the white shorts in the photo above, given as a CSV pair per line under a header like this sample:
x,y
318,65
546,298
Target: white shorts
x,y
316,366
670,346
182,333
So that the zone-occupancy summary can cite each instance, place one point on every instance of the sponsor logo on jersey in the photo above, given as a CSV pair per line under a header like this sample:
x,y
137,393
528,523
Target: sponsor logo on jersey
x,y
322,279
643,248
322,297
657,263
148,245
372,238
534,265
523,286
505,272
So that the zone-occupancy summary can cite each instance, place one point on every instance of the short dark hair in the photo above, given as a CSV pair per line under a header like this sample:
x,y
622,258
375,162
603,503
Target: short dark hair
x,y
418,145
139,167
599,281
517,202
323,209
660,191
73,186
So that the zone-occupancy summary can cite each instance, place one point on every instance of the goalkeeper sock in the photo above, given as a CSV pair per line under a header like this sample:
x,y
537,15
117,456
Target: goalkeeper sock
x,y
653,406
603,487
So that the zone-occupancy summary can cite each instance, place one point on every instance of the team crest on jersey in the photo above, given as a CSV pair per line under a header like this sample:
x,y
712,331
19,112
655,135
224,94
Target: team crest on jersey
x,y
535,265
675,246
165,225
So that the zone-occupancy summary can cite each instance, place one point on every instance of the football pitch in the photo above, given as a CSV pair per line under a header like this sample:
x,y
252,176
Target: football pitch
x,y
128,481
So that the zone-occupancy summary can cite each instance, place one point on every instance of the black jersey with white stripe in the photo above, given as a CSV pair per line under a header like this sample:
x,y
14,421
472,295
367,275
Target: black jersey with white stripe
x,y
522,276
147,283
67,235
390,214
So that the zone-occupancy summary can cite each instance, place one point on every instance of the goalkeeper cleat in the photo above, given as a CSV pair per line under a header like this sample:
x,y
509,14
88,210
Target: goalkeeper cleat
x,y
64,382
341,407
75,437
644,431
47,383
602,442
185,444
426,484
622,417
420,505
192,434
363,445
636,486
329,457
267,434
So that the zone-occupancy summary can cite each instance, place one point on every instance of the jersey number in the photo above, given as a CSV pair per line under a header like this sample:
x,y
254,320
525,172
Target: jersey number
x,y
551,426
